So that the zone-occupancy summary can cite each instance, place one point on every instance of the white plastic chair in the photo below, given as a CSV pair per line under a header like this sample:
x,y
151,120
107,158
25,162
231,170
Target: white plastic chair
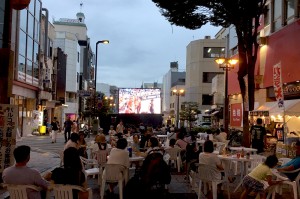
x,y
295,183
19,191
101,158
256,160
113,173
66,191
205,175
90,167
174,156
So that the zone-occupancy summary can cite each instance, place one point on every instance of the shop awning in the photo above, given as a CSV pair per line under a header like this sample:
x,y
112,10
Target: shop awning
x,y
292,108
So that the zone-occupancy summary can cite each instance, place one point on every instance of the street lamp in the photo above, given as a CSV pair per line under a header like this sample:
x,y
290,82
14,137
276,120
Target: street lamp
x,y
226,64
98,42
177,93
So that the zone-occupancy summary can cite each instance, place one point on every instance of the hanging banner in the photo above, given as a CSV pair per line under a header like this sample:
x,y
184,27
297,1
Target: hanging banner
x,y
236,115
277,83
8,131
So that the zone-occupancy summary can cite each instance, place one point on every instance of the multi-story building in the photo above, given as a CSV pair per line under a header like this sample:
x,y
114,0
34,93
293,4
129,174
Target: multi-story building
x,y
26,64
71,37
279,45
171,79
200,70
152,85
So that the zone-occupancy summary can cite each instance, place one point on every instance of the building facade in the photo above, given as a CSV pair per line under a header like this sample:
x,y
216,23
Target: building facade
x,y
200,70
172,78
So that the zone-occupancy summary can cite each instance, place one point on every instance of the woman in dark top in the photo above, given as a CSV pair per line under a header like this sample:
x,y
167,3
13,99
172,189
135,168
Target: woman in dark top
x,y
71,173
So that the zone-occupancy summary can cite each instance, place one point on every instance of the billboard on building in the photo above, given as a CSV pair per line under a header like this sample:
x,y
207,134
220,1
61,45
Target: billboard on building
x,y
139,101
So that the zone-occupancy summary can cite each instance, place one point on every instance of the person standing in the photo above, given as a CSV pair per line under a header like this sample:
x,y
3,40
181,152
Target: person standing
x,y
258,133
67,129
20,173
55,127
120,127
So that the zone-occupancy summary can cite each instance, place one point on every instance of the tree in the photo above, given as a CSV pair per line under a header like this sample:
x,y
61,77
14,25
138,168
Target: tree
x,y
243,15
97,106
189,112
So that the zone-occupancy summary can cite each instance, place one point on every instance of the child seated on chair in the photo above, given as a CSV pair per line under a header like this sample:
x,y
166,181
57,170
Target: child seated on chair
x,y
254,181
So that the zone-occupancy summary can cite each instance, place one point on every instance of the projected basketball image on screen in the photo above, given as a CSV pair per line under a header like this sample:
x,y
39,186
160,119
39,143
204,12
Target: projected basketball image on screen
x,y
139,101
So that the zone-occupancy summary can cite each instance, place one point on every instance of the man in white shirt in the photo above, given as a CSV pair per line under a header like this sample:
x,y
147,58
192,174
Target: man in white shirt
x,y
23,175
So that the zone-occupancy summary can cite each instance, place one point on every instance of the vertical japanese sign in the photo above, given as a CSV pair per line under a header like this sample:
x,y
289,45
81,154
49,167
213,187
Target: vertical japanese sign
x,y
8,130
236,115
277,83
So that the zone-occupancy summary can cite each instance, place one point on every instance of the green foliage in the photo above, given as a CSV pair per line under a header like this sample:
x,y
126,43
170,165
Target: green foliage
x,y
92,107
189,112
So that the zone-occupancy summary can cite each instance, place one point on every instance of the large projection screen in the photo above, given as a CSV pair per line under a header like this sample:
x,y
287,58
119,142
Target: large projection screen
x,y
139,101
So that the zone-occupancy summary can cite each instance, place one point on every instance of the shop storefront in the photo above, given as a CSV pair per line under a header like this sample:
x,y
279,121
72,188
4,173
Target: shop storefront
x,y
282,124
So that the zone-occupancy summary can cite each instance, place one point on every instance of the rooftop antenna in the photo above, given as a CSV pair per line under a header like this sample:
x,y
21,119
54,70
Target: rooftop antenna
x,y
81,5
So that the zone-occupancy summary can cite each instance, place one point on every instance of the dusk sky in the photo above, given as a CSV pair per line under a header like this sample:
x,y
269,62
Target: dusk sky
x,y
142,41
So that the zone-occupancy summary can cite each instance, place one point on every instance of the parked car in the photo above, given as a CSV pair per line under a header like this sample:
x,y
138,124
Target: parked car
x,y
205,124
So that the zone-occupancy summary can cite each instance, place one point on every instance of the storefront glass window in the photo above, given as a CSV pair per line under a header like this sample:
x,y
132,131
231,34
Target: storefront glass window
x,y
21,67
22,43
36,53
23,19
29,72
37,10
36,30
31,7
30,25
29,48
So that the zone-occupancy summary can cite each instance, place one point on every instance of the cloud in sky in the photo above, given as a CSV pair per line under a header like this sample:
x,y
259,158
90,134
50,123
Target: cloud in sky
x,y
142,42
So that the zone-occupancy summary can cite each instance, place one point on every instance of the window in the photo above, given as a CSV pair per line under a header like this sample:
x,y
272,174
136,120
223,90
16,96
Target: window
x,y
29,43
289,10
267,15
277,14
208,76
207,99
182,106
213,52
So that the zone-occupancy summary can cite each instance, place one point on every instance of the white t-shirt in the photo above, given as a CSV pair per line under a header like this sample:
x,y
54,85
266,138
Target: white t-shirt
x,y
119,156
25,175
212,160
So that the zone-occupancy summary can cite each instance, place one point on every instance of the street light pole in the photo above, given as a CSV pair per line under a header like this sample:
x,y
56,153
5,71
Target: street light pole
x,y
96,64
226,65
98,42
178,93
